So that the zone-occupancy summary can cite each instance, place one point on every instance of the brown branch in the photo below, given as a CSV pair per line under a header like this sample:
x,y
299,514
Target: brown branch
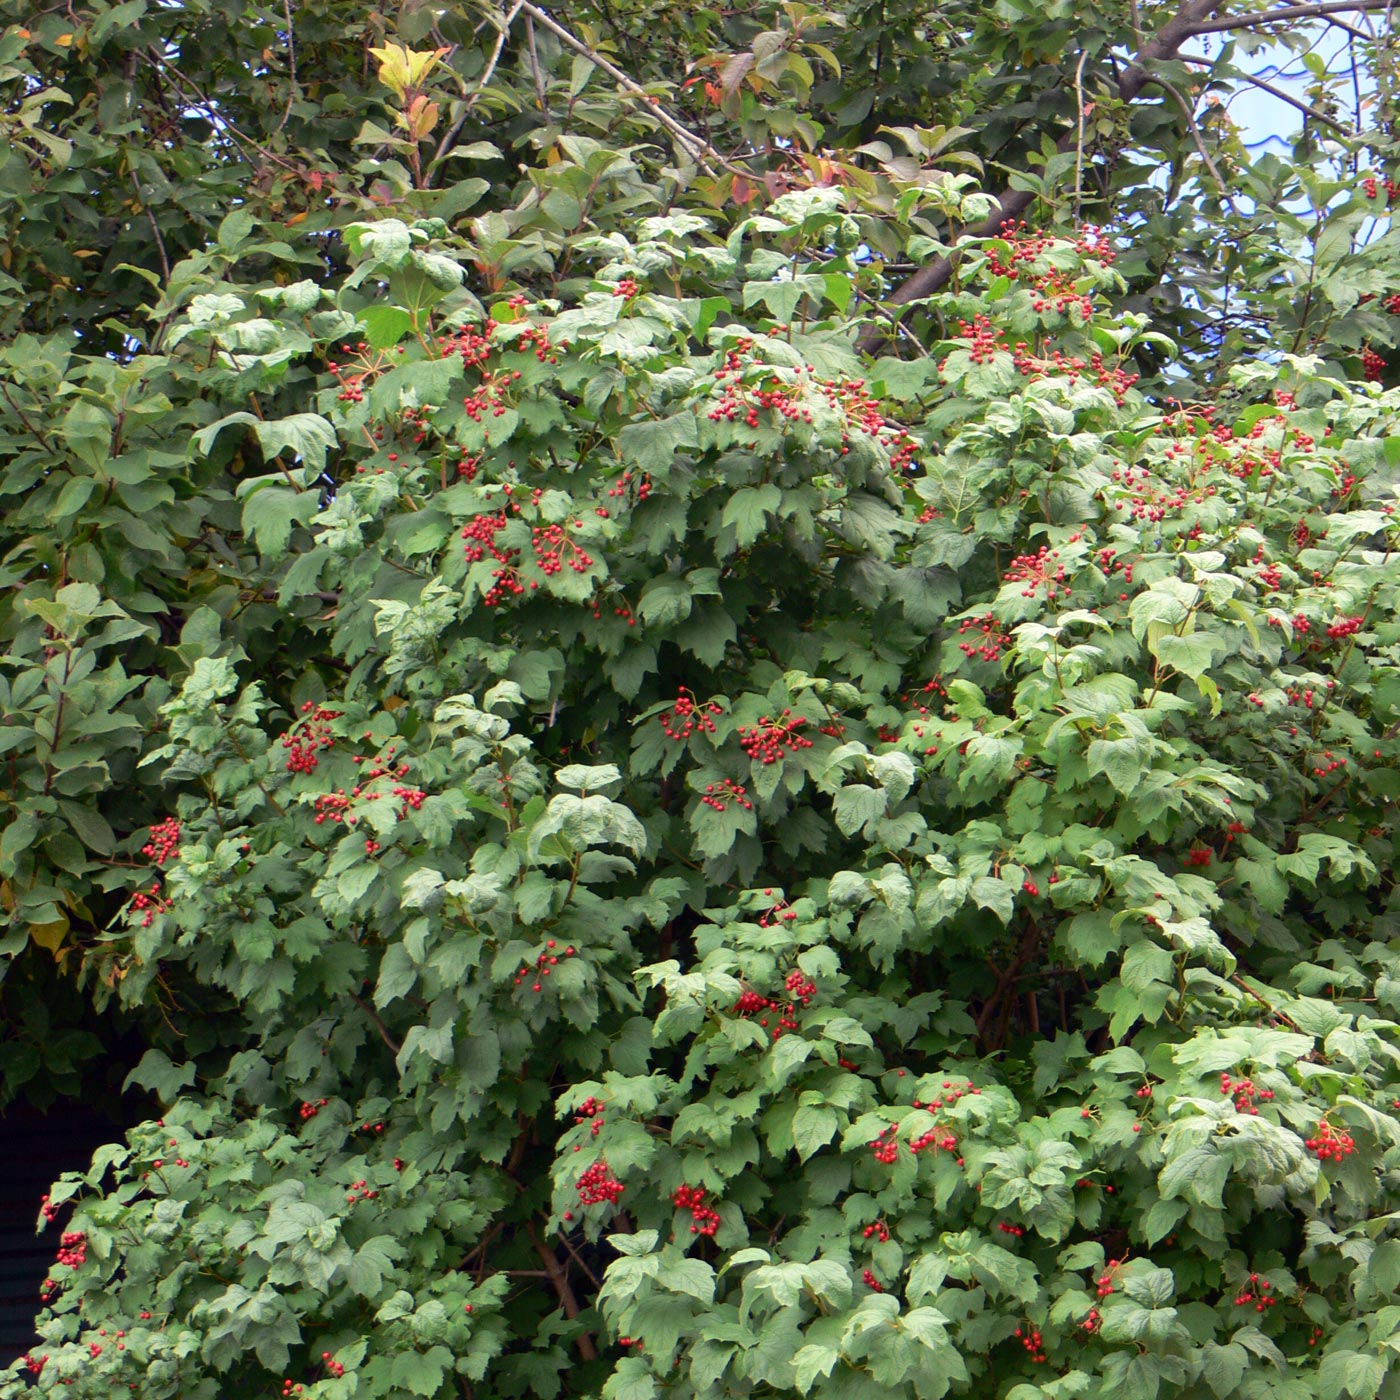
x,y
155,227
1004,991
562,1287
1012,203
373,1016
292,65
1305,108
1288,14
24,418
578,1259
450,138
541,93
696,147
1268,1006
1196,138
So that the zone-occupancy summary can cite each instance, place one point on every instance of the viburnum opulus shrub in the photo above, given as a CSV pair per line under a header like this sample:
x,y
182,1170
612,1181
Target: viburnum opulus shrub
x,y
778,873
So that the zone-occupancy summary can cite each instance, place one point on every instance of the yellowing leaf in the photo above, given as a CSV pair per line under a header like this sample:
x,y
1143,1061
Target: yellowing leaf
x,y
50,935
401,69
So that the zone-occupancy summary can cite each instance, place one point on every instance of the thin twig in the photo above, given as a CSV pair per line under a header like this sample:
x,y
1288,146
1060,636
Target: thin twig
x,y
1196,137
1011,203
562,1288
1305,108
155,227
695,146
1286,15
24,417
1268,1006
535,71
292,64
450,137
373,1016
1079,131
215,114
575,1256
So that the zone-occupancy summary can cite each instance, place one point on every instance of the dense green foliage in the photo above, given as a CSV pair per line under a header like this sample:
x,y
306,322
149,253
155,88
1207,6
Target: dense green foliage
x,y
669,832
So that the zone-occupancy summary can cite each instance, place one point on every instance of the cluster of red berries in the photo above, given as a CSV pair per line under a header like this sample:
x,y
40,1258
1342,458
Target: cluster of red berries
x,y
1372,186
685,717
480,535
1055,285
542,966
851,398
309,735
159,1162
590,1109
1344,627
1036,571
411,798
879,1231
164,842
1104,1284
72,1249
871,1282
630,1342
1244,1092
49,1209
885,1147
705,1219
950,1094
536,339
151,903
487,397
626,289
1256,1293
35,1364
984,339
800,989
1029,887
352,381
334,807
1328,1144
555,549
1007,1229
780,913
597,1184
1200,855
310,1110
847,397
622,610
995,639
1093,1321
471,345
1373,365
1117,381
1330,764
1030,1338
937,1139
624,484
720,795
771,739
359,1191
751,1004
769,393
